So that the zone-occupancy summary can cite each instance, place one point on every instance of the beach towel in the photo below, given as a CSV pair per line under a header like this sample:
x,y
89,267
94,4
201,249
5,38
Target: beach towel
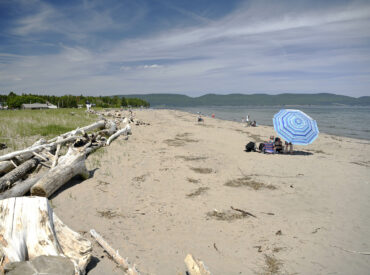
x,y
269,148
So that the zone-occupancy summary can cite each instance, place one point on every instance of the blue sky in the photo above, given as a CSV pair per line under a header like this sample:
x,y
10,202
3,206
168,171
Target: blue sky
x,y
190,47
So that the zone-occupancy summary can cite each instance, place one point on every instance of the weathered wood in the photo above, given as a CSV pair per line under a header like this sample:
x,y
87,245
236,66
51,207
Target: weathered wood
x,y
20,188
70,165
126,129
78,131
16,174
114,254
55,161
111,126
73,245
37,148
29,228
6,166
195,267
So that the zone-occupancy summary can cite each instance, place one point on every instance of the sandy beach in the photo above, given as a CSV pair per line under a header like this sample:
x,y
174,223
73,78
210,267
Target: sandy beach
x,y
168,190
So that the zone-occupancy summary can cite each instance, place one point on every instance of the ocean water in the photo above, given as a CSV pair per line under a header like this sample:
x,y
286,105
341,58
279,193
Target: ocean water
x,y
344,121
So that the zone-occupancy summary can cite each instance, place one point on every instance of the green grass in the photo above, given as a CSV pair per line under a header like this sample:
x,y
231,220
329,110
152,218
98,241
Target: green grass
x,y
21,128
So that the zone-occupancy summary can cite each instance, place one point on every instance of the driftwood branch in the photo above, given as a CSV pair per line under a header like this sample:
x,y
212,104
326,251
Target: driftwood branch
x,y
37,148
16,174
78,131
114,254
126,129
195,267
55,161
245,213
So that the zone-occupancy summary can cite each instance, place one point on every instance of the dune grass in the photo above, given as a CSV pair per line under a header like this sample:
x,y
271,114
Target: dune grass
x,y
21,128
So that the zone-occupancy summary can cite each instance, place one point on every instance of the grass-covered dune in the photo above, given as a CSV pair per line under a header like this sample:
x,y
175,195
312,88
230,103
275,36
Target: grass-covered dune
x,y
21,128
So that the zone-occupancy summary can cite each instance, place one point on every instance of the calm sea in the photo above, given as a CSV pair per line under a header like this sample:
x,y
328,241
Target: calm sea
x,y
351,122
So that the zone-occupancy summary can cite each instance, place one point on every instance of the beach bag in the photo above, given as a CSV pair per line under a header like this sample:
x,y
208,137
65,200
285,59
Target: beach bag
x,y
251,146
261,146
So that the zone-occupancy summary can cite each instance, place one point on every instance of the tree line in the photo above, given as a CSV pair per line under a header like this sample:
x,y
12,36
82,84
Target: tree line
x,y
70,101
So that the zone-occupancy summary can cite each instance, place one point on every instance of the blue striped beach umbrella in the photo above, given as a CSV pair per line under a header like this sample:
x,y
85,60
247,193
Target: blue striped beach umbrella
x,y
295,126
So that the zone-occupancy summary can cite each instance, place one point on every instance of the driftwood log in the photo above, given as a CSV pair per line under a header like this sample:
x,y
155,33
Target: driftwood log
x,y
195,267
37,148
114,254
16,174
51,144
70,165
82,131
20,188
29,228
6,166
125,130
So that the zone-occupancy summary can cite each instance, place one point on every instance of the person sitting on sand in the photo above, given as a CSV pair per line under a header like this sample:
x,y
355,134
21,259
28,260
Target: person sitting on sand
x,y
200,119
278,145
254,124
290,145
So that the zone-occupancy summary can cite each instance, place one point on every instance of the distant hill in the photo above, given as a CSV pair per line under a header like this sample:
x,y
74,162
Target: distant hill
x,y
176,100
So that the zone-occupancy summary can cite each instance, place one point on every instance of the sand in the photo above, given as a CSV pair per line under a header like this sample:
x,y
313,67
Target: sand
x,y
168,191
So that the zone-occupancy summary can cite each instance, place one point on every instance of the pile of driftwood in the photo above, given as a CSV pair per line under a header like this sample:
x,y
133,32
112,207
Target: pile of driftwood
x,y
15,167
28,227
33,240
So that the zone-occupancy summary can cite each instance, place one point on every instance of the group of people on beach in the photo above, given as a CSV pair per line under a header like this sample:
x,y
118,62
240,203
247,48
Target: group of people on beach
x,y
275,146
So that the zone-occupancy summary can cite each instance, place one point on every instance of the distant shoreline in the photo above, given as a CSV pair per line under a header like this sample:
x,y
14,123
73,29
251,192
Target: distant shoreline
x,y
208,115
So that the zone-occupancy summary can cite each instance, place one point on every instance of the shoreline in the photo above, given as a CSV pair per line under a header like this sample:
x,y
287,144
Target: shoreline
x,y
234,120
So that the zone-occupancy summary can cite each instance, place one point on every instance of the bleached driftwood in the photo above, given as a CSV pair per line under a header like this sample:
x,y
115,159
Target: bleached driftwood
x,y
70,165
195,267
20,188
126,129
79,131
16,174
114,254
8,165
37,148
56,157
29,228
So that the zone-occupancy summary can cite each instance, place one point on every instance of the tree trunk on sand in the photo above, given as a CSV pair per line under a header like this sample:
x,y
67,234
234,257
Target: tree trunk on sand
x,y
29,228
127,129
195,267
20,188
70,165
16,174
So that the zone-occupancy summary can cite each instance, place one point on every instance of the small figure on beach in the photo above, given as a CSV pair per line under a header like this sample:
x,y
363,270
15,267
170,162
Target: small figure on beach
x,y
213,115
200,119
254,124
278,145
